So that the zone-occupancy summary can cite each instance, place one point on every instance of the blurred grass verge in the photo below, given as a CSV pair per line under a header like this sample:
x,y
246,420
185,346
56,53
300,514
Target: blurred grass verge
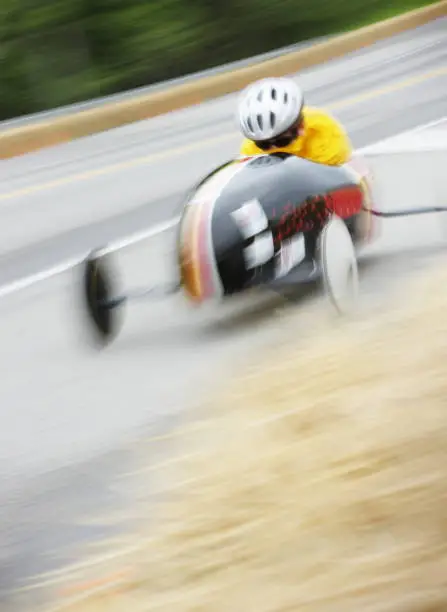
x,y
56,63
70,51
317,482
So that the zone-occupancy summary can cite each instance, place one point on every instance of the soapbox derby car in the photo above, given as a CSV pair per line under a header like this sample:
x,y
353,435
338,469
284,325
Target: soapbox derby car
x,y
272,221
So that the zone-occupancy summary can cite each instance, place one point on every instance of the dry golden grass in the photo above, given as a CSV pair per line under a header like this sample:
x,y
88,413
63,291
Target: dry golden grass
x,y
321,482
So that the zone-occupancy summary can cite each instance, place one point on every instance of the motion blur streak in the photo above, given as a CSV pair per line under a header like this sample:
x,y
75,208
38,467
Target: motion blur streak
x,y
69,469
318,483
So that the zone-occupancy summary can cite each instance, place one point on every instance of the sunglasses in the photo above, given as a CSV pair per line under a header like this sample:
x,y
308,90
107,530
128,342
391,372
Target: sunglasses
x,y
284,139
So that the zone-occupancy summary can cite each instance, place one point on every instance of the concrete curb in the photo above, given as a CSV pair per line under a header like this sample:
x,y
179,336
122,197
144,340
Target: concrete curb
x,y
26,139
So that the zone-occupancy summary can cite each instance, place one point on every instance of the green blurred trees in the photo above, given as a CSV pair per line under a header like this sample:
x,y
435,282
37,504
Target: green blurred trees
x,y
65,51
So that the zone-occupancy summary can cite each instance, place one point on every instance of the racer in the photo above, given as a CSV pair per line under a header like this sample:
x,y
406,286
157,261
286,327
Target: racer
x,y
273,118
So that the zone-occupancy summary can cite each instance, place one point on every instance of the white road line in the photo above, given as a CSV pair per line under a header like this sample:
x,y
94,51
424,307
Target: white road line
x,y
27,281
419,128
68,264
130,239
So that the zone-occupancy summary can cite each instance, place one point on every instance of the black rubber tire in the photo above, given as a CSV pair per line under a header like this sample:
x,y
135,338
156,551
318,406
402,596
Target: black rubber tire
x,y
98,287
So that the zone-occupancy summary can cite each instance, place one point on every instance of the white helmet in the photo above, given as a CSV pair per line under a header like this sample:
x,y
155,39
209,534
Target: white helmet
x,y
269,107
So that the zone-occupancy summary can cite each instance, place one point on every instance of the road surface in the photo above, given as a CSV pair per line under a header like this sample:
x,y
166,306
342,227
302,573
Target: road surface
x,y
69,416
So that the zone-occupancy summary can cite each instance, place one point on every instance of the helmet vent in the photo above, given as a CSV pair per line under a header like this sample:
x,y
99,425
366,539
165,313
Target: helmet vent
x,y
260,122
274,94
272,120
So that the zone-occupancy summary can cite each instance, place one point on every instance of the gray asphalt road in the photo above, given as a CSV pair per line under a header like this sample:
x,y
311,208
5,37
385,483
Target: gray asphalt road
x,y
62,404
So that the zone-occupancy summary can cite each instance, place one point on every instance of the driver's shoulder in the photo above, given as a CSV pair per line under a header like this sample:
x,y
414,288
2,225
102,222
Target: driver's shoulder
x,y
319,118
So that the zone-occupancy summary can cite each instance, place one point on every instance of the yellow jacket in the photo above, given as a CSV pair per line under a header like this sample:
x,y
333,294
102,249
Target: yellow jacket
x,y
324,140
